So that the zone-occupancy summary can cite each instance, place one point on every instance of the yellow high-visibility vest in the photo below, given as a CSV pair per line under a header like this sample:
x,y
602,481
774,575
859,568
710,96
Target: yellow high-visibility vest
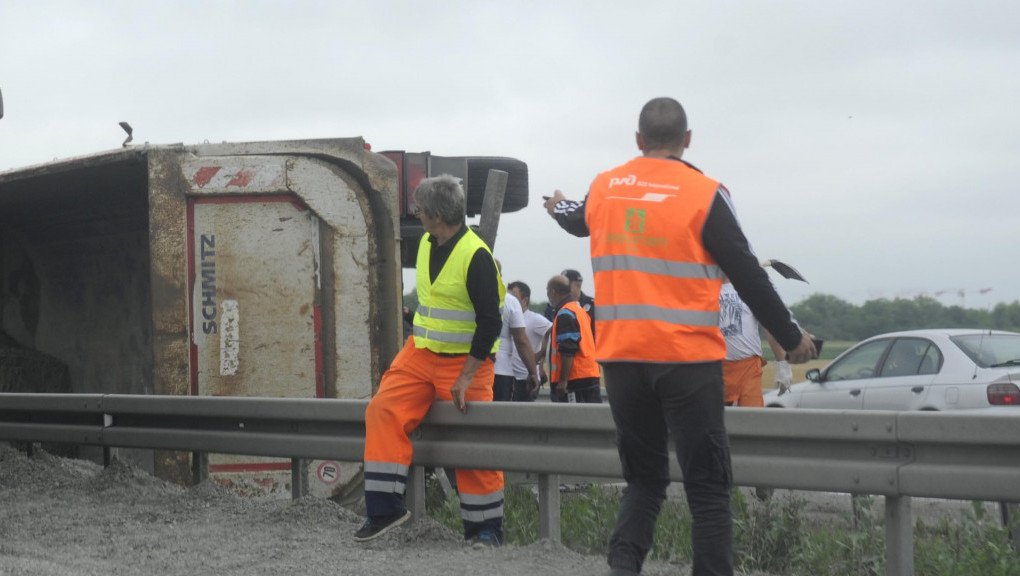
x,y
445,319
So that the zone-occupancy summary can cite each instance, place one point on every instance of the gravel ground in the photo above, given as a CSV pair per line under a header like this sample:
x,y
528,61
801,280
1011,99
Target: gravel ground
x,y
64,516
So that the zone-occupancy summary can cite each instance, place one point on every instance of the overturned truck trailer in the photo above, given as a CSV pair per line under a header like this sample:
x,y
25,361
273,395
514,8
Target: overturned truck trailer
x,y
255,269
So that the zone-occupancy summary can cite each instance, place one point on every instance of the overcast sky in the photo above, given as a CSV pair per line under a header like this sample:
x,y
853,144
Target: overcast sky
x,y
875,146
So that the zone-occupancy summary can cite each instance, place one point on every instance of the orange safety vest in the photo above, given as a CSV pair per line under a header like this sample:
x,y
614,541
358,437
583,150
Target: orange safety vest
x,y
658,288
584,365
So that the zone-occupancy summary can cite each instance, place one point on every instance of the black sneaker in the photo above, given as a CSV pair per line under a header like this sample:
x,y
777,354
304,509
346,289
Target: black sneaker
x,y
380,525
486,539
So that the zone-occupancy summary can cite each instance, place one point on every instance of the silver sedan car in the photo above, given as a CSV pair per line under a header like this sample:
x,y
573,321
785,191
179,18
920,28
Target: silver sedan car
x,y
949,369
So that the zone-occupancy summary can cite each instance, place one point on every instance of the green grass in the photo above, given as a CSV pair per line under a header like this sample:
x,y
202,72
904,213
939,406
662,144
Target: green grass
x,y
770,536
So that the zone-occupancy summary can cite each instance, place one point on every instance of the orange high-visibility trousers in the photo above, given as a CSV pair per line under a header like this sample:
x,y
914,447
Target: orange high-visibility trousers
x,y
416,378
743,381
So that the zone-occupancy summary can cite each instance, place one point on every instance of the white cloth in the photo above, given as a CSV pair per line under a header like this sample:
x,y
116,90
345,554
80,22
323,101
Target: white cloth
x,y
535,327
784,376
738,325
513,317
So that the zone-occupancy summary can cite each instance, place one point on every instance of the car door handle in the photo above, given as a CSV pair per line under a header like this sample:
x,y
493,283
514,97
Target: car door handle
x,y
917,389
856,392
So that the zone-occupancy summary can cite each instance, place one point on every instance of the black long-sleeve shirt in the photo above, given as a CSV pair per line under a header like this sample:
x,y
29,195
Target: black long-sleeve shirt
x,y
725,241
482,288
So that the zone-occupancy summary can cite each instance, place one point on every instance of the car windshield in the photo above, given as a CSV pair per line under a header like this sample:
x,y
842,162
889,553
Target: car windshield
x,y
990,350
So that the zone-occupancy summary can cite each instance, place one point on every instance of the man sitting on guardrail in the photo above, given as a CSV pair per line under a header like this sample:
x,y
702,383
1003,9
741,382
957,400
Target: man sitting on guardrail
x,y
449,356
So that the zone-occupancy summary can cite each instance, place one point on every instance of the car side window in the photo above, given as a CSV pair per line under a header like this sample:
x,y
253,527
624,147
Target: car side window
x,y
904,358
932,361
858,363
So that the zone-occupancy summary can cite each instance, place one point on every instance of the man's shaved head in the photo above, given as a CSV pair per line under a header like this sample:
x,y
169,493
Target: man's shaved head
x,y
662,124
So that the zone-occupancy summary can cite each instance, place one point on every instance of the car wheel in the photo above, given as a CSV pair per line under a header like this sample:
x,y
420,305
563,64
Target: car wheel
x,y
516,195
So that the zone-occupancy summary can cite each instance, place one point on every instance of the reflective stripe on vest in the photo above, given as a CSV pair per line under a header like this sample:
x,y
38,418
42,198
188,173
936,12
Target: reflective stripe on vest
x,y
442,314
657,286
584,365
656,266
445,319
652,312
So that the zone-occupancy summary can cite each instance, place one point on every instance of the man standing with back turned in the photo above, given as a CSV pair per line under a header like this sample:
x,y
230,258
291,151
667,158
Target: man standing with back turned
x,y
448,357
662,236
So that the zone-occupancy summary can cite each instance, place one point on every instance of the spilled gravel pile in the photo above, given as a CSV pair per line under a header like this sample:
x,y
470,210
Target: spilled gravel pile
x,y
64,516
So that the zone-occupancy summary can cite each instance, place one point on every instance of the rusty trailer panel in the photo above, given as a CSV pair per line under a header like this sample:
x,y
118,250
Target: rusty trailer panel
x,y
254,269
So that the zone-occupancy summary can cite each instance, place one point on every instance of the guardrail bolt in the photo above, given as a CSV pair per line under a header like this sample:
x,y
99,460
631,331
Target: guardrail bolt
x,y
888,427
853,426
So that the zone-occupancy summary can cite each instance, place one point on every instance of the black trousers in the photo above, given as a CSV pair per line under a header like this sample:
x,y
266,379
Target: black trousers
x,y
651,403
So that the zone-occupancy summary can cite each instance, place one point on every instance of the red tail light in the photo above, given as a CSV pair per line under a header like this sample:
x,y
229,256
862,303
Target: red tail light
x,y
1003,394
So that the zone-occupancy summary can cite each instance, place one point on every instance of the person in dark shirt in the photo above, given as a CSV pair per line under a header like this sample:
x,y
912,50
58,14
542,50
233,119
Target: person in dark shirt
x,y
575,374
661,289
586,301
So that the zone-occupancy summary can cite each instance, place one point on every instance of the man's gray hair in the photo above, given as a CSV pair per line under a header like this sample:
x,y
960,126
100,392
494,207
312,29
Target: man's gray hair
x,y
442,196
662,124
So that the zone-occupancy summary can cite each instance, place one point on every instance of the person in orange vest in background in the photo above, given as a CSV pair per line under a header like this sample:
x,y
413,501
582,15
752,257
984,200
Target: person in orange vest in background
x,y
662,234
575,374
585,301
448,357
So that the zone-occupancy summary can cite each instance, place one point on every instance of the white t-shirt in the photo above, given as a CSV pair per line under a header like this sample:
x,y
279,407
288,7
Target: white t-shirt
x,y
513,317
536,326
738,325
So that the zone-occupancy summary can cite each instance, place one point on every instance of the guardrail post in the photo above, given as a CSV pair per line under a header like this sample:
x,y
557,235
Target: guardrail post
x,y
549,507
298,478
109,455
414,494
199,467
899,536
1009,512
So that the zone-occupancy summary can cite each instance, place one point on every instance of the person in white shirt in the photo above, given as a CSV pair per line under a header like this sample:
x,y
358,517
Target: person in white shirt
x,y
512,337
536,327
742,368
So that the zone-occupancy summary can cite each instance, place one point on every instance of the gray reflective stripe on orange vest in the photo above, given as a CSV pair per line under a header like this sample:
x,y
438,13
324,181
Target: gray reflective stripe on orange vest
x,y
482,499
481,515
386,467
650,312
454,337
387,486
628,262
491,506
391,486
446,314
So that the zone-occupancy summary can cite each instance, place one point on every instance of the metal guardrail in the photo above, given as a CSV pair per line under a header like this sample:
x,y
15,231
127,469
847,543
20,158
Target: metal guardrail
x,y
898,455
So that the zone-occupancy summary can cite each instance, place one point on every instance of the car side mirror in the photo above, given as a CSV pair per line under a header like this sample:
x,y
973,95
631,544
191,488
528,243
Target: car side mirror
x,y
814,375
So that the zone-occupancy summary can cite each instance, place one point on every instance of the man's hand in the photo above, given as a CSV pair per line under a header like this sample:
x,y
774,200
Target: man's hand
x,y
534,382
561,388
804,351
550,203
458,391
459,388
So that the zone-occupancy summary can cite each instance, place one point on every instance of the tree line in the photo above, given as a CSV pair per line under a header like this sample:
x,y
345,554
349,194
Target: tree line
x,y
832,318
